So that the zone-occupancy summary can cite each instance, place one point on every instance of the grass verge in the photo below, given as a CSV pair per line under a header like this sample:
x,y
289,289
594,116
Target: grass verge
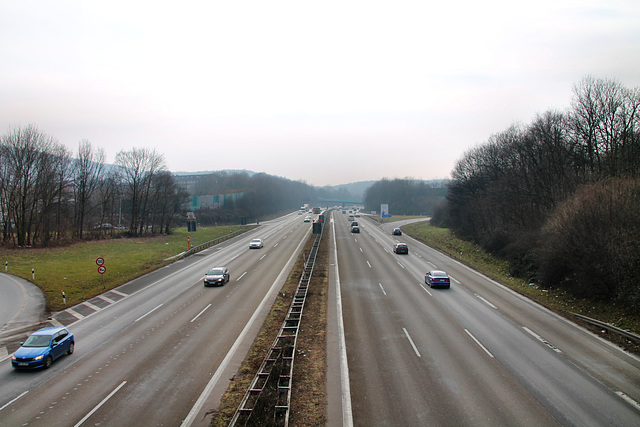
x,y
73,270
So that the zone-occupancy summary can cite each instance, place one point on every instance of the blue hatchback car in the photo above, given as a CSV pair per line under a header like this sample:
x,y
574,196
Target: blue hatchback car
x,y
43,347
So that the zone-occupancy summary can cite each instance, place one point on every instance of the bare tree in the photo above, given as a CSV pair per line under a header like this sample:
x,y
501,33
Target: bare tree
x,y
88,169
138,167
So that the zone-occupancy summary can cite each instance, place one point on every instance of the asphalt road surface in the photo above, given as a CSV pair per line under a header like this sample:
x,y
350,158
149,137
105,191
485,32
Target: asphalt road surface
x,y
475,354
159,350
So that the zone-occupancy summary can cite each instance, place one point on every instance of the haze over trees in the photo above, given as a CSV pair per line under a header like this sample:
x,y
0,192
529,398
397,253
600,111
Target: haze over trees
x,y
559,197
405,196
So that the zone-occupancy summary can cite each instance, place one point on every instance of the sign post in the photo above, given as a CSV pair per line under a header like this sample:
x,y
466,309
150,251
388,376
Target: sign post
x,y
101,269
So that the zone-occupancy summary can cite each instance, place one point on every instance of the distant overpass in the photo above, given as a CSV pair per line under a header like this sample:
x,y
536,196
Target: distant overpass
x,y
333,202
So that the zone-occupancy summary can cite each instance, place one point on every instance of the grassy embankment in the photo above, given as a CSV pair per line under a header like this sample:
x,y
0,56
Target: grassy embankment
x,y
556,300
73,269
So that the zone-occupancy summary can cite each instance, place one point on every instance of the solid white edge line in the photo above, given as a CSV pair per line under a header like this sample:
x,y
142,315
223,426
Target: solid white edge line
x,y
411,342
100,404
198,315
628,400
12,401
231,353
147,313
347,411
479,343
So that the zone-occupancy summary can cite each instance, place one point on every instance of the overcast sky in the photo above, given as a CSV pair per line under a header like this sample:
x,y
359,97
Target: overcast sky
x,y
323,92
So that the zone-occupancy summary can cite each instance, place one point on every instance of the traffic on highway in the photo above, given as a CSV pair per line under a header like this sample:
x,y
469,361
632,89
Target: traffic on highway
x,y
414,338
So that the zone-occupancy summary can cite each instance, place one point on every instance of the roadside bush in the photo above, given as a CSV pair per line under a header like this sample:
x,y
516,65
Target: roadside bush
x,y
591,244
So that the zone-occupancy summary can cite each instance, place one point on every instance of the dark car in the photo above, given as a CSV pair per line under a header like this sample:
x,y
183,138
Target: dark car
x,y
217,276
437,278
355,229
354,223
401,248
396,232
43,347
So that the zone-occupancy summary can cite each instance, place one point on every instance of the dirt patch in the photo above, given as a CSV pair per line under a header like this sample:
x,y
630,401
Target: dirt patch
x,y
309,401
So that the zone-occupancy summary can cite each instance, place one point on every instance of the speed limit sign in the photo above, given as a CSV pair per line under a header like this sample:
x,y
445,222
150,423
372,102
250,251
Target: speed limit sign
x,y
102,269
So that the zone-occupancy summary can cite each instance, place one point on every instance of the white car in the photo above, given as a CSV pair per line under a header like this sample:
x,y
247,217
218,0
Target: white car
x,y
256,244
307,218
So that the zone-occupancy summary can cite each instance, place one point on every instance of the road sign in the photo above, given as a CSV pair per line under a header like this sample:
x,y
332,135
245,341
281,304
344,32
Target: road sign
x,y
102,269
100,261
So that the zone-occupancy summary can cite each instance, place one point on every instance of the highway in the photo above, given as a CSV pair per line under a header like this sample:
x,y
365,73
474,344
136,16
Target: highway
x,y
159,350
475,354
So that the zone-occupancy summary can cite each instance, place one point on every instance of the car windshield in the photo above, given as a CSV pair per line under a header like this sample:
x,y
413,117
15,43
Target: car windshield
x,y
37,341
256,241
215,272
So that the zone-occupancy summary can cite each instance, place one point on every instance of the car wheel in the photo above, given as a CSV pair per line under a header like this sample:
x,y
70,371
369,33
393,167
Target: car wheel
x,y
48,362
72,347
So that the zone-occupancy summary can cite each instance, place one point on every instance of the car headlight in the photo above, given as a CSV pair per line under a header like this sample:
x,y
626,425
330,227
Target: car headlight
x,y
38,357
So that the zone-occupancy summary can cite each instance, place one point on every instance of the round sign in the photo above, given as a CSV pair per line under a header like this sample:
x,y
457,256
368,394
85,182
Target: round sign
x,y
102,269
100,261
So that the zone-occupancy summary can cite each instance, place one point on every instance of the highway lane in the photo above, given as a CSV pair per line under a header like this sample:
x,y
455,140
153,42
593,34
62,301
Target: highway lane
x,y
424,356
149,357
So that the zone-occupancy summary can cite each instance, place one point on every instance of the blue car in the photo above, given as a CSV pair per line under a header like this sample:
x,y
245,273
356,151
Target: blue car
x,y
43,347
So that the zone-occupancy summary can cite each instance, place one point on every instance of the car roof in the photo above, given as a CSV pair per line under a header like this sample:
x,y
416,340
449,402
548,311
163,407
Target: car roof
x,y
438,273
49,330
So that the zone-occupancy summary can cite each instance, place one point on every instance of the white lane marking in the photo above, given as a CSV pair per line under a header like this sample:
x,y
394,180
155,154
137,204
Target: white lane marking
x,y
91,306
203,310
542,340
122,294
486,302
381,287
619,393
275,245
147,313
454,279
479,343
12,401
425,289
263,257
400,264
103,298
411,341
347,412
241,276
101,403
369,264
234,348
74,313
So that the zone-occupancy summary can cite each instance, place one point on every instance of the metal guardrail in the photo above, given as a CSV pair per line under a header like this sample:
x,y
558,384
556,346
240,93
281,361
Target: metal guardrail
x,y
603,325
208,244
270,389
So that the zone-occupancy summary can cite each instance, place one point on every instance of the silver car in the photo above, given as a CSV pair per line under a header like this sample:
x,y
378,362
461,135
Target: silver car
x,y
256,244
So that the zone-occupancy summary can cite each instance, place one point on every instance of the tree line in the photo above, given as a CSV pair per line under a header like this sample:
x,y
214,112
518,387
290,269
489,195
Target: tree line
x,y
560,197
49,196
405,196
